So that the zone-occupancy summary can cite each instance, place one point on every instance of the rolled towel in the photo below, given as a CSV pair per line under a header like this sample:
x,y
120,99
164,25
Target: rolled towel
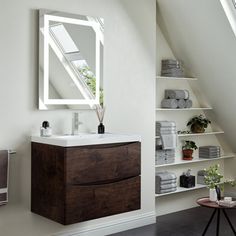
x,y
188,103
176,94
169,103
181,103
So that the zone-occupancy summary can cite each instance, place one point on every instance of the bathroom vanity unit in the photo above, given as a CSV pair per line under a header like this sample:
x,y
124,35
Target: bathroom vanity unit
x,y
84,177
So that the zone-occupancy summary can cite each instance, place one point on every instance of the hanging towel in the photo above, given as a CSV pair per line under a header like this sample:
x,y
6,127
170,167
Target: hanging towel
x,y
4,162
169,103
169,141
176,94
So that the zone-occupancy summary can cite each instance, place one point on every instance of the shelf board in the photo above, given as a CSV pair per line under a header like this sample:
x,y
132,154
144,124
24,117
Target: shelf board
x,y
175,78
181,190
196,160
198,134
201,134
184,109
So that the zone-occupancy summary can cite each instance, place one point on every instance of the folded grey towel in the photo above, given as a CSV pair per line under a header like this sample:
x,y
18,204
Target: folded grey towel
x,y
165,123
181,103
171,61
168,182
163,162
166,190
209,152
168,186
169,103
188,103
176,94
165,176
209,148
167,70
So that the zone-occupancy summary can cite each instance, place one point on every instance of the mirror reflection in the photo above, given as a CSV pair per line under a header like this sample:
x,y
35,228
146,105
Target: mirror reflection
x,y
71,61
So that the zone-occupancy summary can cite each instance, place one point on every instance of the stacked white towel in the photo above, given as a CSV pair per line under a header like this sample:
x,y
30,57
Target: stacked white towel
x,y
167,132
166,182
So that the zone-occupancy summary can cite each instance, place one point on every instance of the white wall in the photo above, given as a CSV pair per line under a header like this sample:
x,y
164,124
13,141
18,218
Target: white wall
x,y
129,93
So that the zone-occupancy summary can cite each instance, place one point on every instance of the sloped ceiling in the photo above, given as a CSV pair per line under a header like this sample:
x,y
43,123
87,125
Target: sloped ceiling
x,y
199,33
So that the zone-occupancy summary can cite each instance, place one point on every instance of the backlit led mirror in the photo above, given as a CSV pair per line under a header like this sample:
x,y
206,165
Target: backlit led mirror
x,y
70,60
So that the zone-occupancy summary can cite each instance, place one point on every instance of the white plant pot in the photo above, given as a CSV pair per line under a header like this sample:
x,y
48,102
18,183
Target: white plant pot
x,y
212,195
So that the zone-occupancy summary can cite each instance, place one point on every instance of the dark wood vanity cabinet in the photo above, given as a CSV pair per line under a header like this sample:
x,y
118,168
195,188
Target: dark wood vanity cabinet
x,y
74,184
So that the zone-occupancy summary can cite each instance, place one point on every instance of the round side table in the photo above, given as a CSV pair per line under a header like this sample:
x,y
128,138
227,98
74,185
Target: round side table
x,y
205,202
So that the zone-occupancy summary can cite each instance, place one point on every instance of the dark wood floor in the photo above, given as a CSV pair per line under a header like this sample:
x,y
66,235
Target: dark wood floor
x,y
185,223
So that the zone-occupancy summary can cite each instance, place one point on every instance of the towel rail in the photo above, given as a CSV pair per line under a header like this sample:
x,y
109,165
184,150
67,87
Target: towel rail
x,y
11,152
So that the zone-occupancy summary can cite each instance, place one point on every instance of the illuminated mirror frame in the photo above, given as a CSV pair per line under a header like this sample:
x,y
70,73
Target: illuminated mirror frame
x,y
47,17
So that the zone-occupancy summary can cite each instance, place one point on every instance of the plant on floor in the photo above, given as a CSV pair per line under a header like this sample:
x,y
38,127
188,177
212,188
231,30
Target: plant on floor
x,y
198,124
188,148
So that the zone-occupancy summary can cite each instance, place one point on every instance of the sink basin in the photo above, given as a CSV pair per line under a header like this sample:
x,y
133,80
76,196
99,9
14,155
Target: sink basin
x,y
86,139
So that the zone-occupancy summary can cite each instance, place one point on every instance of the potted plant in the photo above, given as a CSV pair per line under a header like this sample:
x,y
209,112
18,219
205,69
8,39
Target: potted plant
x,y
198,124
213,180
187,149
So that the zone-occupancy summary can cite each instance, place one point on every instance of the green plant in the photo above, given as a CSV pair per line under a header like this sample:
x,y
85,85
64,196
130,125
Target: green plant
x,y
90,80
189,145
212,176
198,123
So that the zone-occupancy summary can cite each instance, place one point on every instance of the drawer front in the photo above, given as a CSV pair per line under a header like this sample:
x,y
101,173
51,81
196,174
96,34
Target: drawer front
x,y
102,163
94,201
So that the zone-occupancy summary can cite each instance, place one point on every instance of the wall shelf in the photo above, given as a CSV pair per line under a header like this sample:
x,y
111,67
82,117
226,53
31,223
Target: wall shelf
x,y
201,134
175,78
181,190
184,109
198,134
197,160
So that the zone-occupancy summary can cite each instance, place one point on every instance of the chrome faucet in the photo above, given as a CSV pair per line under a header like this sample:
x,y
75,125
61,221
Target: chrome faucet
x,y
75,123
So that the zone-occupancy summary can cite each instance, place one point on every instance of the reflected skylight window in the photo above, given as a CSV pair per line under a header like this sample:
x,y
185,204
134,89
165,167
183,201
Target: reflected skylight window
x,y
63,37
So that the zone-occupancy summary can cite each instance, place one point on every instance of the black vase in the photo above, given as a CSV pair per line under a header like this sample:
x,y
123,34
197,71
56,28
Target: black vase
x,y
218,193
101,128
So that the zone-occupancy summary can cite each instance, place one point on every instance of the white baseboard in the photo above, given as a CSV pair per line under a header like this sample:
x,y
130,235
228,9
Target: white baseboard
x,y
112,227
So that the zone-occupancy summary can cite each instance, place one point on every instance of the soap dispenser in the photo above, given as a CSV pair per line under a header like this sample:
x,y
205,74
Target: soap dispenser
x,y
45,130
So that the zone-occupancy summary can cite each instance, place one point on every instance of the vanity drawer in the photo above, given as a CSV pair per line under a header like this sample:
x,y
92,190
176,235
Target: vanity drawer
x,y
86,202
102,163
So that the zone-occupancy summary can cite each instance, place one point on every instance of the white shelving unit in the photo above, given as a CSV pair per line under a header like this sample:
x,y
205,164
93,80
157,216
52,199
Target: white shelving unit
x,y
196,161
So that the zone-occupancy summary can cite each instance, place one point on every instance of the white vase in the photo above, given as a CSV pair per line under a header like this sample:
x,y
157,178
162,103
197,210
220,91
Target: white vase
x,y
212,195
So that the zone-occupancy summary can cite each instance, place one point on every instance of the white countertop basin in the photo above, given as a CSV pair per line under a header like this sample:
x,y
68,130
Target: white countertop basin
x,y
85,139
